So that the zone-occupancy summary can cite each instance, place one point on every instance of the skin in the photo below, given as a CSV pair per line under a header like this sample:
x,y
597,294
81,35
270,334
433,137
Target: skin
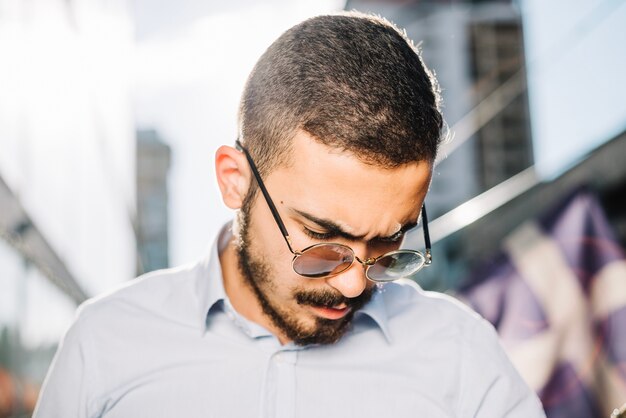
x,y
367,202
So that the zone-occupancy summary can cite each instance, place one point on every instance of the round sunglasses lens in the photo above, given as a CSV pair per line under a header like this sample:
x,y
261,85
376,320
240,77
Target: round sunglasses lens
x,y
396,266
323,260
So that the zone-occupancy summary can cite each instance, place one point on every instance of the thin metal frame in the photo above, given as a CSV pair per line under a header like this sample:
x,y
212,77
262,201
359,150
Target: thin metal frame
x,y
367,263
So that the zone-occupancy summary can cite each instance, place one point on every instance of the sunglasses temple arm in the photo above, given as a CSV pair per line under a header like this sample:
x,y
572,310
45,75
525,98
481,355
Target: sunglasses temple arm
x,y
429,257
266,195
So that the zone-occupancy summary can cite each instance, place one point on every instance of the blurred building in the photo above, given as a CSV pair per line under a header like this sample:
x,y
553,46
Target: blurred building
x,y
477,243
153,163
67,163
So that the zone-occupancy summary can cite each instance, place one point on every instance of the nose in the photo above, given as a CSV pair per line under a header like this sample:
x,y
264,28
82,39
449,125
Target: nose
x,y
351,283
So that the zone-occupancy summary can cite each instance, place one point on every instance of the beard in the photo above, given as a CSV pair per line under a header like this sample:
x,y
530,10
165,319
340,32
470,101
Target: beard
x,y
262,279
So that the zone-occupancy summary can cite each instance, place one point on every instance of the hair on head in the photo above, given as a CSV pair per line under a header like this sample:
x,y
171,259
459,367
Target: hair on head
x,y
352,81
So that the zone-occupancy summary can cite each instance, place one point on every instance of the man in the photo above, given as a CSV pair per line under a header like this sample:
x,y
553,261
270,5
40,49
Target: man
x,y
300,310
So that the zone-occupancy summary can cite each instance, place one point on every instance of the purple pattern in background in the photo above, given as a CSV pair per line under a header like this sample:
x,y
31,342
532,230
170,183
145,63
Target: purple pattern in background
x,y
612,331
565,395
580,228
581,231
505,300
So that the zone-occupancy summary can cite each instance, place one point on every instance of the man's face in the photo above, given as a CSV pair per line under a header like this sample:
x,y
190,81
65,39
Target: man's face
x,y
324,195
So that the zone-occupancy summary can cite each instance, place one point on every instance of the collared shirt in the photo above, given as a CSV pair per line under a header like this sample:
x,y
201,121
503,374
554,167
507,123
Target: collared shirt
x,y
170,344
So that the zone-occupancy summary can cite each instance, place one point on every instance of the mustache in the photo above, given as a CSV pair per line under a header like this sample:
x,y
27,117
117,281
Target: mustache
x,y
328,299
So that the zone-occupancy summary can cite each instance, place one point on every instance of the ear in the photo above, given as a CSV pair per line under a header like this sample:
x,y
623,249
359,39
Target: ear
x,y
233,175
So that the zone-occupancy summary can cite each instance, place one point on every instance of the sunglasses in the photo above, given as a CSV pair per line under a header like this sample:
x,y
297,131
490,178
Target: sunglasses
x,y
329,259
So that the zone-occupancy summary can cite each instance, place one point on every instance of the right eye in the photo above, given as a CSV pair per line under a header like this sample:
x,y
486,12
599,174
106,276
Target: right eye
x,y
321,236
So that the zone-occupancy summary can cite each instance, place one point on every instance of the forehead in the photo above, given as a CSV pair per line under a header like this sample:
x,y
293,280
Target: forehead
x,y
332,184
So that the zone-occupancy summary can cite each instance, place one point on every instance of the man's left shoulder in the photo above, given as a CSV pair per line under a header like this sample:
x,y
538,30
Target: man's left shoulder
x,y
431,317
406,298
462,346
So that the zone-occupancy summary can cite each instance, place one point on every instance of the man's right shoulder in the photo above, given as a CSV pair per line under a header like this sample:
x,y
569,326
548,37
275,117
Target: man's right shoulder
x,y
158,293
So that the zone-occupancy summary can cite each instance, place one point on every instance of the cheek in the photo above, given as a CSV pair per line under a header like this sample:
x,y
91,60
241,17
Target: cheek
x,y
265,236
268,247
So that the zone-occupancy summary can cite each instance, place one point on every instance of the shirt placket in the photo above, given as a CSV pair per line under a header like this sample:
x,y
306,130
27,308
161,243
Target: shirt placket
x,y
280,393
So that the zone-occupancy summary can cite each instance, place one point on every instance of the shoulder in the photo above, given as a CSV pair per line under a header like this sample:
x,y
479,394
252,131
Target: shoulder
x,y
443,327
434,320
439,326
158,293
406,299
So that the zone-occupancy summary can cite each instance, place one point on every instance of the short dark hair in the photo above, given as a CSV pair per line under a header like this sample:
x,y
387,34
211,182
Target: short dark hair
x,y
353,82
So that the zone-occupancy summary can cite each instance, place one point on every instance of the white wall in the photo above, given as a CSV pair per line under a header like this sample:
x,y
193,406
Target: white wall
x,y
66,130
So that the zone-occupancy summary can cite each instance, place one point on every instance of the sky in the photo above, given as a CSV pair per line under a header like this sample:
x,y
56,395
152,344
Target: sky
x,y
192,58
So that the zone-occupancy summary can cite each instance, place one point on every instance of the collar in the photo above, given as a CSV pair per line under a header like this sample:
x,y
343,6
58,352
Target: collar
x,y
211,294
377,311
209,282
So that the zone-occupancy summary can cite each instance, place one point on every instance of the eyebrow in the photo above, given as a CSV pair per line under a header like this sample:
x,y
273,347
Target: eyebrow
x,y
332,228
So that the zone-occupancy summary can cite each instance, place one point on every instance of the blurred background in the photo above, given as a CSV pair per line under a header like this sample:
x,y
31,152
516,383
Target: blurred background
x,y
111,111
